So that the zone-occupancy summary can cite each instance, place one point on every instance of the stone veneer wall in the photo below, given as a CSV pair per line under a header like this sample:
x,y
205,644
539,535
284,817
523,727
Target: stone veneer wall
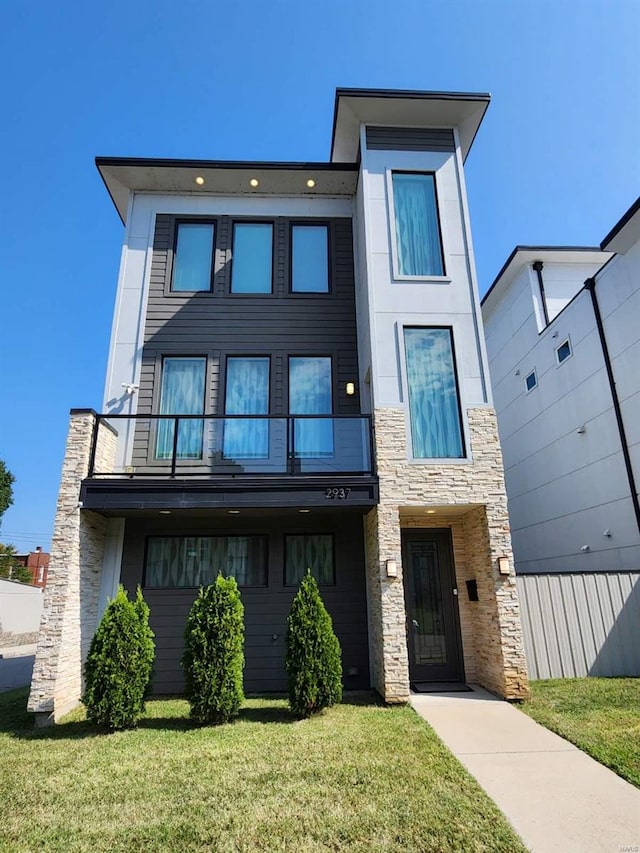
x,y
70,607
491,631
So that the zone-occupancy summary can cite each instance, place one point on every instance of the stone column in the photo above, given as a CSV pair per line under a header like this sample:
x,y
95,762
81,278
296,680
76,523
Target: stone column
x,y
73,585
387,628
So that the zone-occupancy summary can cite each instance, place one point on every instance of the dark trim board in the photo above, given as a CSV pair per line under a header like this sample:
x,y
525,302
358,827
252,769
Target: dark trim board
x,y
114,496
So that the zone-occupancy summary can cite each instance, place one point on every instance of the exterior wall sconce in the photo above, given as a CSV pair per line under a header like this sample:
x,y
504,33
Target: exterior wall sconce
x,y
392,569
503,565
581,430
350,389
585,548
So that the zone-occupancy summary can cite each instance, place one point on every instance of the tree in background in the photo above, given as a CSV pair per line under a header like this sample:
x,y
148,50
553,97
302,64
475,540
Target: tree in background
x,y
6,488
11,568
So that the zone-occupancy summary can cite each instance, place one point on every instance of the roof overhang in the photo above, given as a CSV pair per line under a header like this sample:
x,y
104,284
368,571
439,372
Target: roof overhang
x,y
124,175
624,233
402,108
524,255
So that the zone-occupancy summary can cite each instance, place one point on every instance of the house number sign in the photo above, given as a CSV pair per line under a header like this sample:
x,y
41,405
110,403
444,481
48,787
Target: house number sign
x,y
337,494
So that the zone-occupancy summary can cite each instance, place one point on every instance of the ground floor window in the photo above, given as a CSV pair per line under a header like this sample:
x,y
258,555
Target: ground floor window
x,y
192,561
313,551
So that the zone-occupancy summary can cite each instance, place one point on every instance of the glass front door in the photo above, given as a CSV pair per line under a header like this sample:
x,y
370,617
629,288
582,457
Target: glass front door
x,y
433,631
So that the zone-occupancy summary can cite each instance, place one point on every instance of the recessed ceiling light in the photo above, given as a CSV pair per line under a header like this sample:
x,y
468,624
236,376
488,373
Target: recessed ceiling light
x,y
234,512
431,512
311,183
199,180
165,512
254,182
304,510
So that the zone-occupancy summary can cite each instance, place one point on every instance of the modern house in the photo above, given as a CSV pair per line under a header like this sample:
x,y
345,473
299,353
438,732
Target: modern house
x,y
297,380
563,337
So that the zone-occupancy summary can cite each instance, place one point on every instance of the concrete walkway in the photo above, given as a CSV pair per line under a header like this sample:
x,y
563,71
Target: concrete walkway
x,y
556,797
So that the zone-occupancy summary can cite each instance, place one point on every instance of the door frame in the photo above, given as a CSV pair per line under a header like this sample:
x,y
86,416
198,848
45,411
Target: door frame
x,y
444,539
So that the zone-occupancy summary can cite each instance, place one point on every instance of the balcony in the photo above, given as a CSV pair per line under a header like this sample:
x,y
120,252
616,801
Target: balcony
x,y
195,461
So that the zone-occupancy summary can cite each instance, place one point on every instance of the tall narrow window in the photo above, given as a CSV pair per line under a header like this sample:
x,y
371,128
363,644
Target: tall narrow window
x,y
418,247
247,393
436,431
192,258
310,393
182,393
309,259
252,261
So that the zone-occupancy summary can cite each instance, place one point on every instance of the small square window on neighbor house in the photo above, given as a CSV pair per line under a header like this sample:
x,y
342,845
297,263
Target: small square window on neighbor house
x,y
564,351
531,381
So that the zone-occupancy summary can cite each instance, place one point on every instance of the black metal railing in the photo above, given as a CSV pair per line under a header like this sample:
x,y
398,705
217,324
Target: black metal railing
x,y
232,445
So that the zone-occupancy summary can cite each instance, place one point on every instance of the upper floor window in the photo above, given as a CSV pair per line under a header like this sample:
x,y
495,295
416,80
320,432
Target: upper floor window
x,y
309,259
436,430
564,351
182,393
417,229
247,393
310,393
531,380
192,257
252,257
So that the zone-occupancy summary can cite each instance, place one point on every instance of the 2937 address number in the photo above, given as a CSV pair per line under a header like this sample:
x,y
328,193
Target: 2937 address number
x,y
337,494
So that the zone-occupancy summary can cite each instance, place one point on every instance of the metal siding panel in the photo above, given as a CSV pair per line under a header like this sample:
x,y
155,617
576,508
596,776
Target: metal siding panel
x,y
562,629
410,139
576,643
549,626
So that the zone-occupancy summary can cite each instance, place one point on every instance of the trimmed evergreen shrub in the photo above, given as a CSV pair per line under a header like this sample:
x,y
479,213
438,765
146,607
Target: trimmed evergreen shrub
x,y
213,658
119,664
313,657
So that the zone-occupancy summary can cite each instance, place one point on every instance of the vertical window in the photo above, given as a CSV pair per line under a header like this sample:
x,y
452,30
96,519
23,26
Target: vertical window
x,y
182,393
436,431
191,561
564,351
252,259
531,381
247,393
312,553
418,245
192,258
309,259
310,393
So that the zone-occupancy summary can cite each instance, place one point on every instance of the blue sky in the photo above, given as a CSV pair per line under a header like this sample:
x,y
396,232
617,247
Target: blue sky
x,y
556,160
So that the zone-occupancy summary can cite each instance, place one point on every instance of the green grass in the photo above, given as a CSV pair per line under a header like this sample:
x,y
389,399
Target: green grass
x,y
599,715
360,777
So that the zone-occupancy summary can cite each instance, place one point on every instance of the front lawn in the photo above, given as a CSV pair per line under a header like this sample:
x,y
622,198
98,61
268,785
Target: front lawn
x,y
599,715
360,777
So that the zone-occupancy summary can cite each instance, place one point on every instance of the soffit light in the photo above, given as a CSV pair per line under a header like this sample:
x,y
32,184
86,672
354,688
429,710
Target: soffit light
x,y
311,183
199,181
164,512
430,511
234,512
304,510
254,182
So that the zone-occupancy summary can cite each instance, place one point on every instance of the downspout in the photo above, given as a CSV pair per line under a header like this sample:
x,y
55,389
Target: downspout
x,y
537,265
590,285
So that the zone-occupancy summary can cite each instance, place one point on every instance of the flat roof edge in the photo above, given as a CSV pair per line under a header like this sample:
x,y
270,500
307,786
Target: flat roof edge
x,y
624,219
517,249
224,164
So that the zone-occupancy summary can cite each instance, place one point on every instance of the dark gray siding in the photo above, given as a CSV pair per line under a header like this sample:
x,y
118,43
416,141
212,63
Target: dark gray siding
x,y
218,324
266,609
410,139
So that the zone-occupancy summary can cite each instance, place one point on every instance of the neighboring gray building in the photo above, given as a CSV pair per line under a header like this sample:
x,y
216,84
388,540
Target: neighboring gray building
x,y
297,380
563,335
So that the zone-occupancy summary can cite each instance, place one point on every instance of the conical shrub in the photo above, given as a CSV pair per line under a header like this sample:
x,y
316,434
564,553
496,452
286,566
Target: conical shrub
x,y
119,664
313,657
213,658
